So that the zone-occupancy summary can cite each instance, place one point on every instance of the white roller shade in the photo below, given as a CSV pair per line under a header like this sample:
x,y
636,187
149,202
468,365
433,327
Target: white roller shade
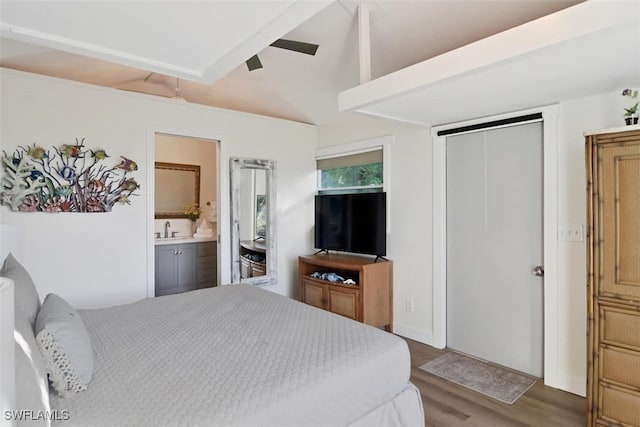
x,y
363,158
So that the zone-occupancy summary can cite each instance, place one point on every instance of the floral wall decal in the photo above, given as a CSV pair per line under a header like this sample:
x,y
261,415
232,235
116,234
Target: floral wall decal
x,y
71,178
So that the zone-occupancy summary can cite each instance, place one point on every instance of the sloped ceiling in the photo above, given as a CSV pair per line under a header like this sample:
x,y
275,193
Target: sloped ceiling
x,y
196,40
206,43
593,47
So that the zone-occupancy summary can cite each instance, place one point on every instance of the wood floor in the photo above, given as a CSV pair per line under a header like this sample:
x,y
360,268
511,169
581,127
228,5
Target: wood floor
x,y
448,404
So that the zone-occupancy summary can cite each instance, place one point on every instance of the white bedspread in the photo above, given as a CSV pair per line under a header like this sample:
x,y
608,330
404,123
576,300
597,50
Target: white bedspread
x,y
234,355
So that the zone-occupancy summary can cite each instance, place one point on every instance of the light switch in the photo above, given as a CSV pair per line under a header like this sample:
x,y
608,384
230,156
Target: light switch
x,y
571,233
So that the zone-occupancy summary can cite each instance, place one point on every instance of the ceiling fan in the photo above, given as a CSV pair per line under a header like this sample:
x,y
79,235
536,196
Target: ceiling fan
x,y
254,63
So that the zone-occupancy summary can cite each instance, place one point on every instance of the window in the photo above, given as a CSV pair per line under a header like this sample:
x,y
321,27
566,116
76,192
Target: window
x,y
356,167
362,171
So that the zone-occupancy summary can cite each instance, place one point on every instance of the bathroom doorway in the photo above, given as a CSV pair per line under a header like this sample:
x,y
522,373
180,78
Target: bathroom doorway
x,y
185,239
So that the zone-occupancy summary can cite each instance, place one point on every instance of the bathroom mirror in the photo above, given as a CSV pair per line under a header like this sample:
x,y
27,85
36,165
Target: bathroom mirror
x,y
176,185
253,221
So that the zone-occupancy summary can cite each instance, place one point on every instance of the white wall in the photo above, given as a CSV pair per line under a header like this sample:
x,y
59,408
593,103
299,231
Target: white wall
x,y
409,242
410,239
102,259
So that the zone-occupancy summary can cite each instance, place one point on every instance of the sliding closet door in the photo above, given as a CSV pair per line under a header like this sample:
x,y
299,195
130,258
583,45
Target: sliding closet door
x,y
494,243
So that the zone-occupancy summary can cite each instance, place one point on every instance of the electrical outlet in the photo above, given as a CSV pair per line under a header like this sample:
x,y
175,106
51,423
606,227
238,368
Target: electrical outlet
x,y
570,233
409,305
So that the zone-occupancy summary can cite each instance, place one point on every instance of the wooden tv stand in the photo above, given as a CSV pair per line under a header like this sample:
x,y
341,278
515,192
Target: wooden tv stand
x,y
369,301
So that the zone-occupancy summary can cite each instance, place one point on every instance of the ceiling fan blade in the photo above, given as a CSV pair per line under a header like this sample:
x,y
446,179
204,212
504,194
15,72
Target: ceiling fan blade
x,y
253,63
302,47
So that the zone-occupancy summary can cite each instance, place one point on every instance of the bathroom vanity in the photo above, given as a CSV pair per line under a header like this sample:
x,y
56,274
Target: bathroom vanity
x,y
185,264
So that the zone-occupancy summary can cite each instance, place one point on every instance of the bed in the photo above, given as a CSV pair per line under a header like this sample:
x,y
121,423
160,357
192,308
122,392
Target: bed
x,y
234,356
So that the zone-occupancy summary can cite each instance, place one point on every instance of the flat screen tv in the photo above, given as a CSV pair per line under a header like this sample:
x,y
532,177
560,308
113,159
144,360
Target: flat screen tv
x,y
352,223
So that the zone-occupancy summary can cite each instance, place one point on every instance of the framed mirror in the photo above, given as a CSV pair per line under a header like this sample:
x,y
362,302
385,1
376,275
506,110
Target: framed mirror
x,y
176,185
253,221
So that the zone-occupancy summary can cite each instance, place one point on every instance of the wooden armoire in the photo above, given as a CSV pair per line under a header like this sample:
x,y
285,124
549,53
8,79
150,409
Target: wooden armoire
x,y
613,270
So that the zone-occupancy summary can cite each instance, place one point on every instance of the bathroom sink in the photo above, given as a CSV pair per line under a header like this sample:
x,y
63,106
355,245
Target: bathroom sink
x,y
181,239
172,240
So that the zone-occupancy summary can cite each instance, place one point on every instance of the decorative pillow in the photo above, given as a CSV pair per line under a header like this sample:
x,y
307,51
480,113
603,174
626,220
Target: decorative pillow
x,y
27,300
65,346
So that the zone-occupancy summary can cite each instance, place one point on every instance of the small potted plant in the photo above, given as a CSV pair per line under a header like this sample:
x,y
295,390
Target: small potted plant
x,y
631,113
192,212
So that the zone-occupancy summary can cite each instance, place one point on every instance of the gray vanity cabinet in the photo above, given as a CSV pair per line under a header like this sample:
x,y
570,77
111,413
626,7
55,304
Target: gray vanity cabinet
x,y
206,264
175,268
185,267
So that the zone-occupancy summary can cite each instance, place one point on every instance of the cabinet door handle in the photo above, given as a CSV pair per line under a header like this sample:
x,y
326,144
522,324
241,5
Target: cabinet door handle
x,y
325,301
175,252
179,252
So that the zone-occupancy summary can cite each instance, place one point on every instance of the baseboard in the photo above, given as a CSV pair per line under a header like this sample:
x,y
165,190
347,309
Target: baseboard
x,y
414,334
569,383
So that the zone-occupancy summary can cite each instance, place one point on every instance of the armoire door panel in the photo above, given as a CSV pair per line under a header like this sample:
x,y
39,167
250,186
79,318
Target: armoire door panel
x,y
620,366
628,184
619,198
620,327
618,405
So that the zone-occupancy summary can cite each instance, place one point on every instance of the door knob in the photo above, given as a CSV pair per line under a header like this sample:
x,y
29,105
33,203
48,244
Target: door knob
x,y
538,271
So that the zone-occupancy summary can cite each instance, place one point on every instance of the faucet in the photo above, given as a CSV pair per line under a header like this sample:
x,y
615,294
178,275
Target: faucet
x,y
167,225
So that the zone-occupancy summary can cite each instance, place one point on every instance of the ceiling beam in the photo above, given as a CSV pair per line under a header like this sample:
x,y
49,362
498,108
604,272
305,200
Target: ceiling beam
x,y
569,24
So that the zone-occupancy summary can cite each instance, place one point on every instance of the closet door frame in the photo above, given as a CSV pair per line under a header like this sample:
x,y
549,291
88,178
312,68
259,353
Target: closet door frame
x,y
552,376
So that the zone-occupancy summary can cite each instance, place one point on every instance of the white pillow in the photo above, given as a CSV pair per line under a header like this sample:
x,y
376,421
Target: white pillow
x,y
65,346
27,301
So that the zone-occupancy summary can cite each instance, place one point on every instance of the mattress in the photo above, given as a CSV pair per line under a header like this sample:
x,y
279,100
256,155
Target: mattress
x,y
234,355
